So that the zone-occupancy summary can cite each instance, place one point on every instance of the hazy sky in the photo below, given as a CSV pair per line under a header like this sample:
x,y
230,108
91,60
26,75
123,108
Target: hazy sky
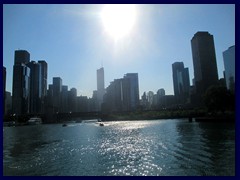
x,y
74,43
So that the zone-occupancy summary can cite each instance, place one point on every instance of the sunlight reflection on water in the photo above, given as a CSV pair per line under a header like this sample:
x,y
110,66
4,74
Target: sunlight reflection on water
x,y
160,147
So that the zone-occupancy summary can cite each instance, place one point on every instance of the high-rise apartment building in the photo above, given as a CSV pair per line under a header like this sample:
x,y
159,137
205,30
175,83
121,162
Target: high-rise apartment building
x,y
43,76
21,83
204,61
35,87
122,94
229,64
133,89
181,82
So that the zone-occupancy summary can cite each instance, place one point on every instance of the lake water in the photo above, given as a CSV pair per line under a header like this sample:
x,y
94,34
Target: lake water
x,y
139,148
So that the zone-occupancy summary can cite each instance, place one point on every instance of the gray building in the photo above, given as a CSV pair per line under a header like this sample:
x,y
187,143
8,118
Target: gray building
x,y
134,90
229,65
181,82
21,83
122,94
204,61
100,86
72,100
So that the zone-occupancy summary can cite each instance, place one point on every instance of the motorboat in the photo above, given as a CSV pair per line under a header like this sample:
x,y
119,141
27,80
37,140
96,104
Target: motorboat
x,y
101,124
34,121
64,125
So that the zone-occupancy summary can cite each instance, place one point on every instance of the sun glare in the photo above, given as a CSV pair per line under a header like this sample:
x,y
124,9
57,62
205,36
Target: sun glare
x,y
118,19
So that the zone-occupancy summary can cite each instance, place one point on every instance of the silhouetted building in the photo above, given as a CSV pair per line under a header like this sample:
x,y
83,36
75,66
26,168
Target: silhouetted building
x,y
229,64
100,86
161,92
43,76
72,100
21,57
122,94
134,90
50,97
93,103
82,104
144,101
4,88
167,101
181,83
204,61
35,87
21,83
8,103
150,96
57,90
64,98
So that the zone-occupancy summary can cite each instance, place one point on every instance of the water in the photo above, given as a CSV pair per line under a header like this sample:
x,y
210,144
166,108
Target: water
x,y
157,147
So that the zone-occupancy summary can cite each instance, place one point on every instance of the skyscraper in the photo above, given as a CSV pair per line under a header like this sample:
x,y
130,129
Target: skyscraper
x,y
64,99
35,87
229,64
133,89
204,61
122,94
43,76
181,82
21,83
100,86
72,100
57,90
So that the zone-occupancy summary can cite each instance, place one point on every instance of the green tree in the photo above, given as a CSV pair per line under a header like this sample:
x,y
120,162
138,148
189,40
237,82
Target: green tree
x,y
218,98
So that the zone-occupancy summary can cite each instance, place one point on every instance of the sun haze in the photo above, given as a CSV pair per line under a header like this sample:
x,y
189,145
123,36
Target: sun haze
x,y
118,19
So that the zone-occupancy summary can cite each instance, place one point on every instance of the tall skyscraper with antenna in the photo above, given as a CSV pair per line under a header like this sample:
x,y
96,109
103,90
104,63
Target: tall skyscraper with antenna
x,y
100,87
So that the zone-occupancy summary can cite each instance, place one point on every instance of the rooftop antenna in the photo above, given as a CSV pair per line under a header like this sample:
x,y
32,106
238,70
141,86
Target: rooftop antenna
x,y
102,63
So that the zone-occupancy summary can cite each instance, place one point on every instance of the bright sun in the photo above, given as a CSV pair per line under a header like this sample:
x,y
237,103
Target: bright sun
x,y
118,19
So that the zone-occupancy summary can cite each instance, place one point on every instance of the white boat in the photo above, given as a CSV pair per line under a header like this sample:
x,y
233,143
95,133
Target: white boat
x,y
35,121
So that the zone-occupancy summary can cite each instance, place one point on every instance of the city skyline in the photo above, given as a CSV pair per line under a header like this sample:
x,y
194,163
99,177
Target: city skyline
x,y
74,36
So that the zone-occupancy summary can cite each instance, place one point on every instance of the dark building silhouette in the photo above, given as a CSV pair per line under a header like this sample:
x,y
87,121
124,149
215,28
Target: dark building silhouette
x,y
181,82
21,83
4,88
133,89
64,99
21,56
204,61
122,94
82,104
72,100
43,76
38,86
167,101
8,103
144,101
229,65
35,87
160,94
57,90
93,104
100,86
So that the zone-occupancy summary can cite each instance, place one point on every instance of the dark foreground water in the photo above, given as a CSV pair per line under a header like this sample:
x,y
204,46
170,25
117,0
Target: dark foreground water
x,y
159,147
